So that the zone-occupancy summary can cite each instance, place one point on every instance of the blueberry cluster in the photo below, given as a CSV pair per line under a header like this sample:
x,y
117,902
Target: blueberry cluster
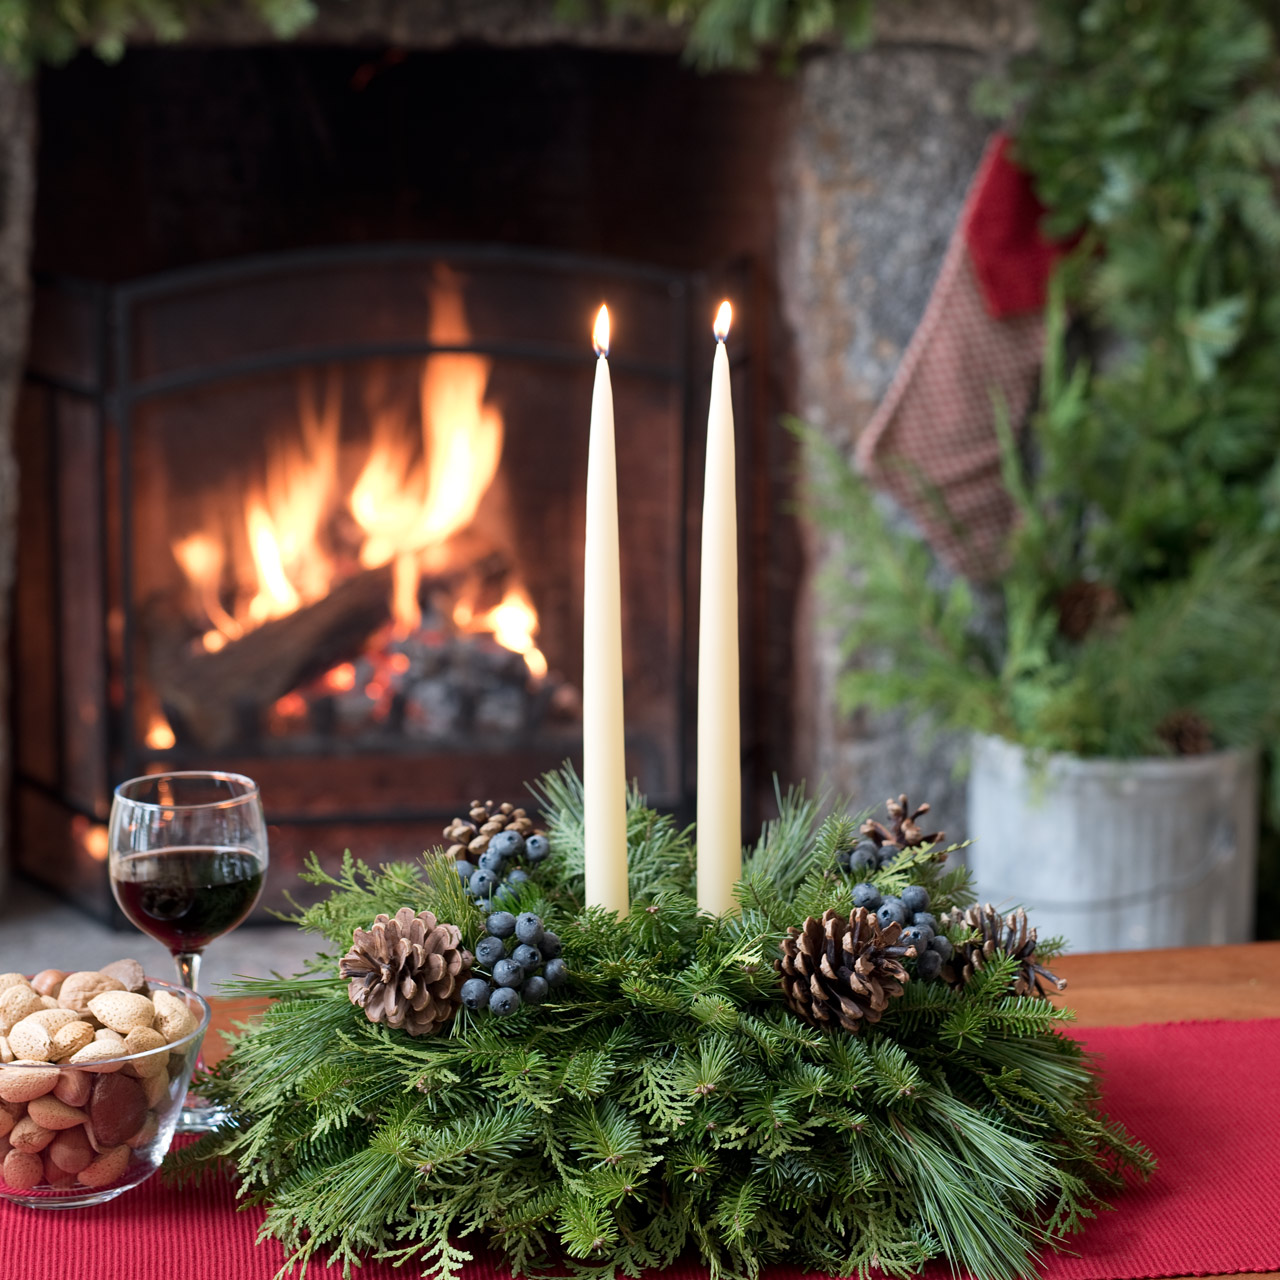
x,y
524,974
866,855
920,926
499,873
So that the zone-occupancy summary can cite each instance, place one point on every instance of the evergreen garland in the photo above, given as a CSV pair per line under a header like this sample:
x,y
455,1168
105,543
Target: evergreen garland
x,y
667,1102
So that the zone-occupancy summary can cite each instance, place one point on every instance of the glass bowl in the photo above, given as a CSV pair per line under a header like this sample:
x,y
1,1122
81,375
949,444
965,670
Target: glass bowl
x,y
88,1107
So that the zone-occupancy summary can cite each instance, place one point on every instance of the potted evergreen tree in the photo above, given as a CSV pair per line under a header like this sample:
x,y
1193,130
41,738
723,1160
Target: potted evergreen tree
x,y
1123,671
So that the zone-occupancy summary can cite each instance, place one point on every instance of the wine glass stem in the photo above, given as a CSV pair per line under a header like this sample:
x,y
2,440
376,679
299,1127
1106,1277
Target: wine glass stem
x,y
188,963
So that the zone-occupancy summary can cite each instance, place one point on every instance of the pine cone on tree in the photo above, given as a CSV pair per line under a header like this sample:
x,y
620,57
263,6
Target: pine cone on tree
x,y
903,831
407,971
469,837
838,971
997,934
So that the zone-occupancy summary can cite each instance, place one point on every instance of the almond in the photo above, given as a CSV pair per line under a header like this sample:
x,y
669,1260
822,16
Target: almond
x,y
51,1019
173,1019
23,1170
107,1168
48,981
16,1003
156,1088
79,988
71,1151
6,1053
71,1039
7,1121
73,1088
142,1040
30,1041
27,1135
50,1002
21,1081
8,980
55,1176
49,1113
107,1035
122,1010
98,1057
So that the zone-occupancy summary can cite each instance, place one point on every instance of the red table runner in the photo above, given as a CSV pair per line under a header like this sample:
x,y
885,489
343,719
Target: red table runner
x,y
1203,1095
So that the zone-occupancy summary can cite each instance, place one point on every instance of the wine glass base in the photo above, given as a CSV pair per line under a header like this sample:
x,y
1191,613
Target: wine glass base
x,y
199,1116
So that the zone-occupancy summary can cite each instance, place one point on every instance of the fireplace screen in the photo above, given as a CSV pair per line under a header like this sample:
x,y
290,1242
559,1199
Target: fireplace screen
x,y
318,517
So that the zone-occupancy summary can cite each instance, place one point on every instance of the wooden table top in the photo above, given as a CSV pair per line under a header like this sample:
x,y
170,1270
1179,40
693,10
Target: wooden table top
x,y
1118,988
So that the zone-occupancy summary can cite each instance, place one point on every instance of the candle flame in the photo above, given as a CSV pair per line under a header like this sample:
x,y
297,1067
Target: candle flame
x,y
600,335
724,318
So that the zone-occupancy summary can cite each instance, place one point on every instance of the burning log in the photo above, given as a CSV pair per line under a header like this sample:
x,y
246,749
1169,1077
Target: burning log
x,y
214,700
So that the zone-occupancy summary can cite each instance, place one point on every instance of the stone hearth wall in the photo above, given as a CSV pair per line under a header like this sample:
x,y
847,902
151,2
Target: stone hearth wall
x,y
883,146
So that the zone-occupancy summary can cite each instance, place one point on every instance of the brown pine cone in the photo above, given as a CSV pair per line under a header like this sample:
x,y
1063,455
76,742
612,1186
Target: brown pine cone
x,y
902,831
469,837
1084,605
1185,733
842,972
996,933
407,971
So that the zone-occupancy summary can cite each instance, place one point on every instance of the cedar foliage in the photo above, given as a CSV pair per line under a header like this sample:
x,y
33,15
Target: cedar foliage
x,y
666,1101
1151,473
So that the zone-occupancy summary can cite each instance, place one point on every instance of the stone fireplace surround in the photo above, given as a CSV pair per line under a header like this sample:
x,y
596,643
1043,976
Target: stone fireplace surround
x,y
876,151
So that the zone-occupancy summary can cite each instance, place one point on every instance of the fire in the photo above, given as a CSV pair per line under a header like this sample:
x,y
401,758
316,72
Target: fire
x,y
159,735
322,510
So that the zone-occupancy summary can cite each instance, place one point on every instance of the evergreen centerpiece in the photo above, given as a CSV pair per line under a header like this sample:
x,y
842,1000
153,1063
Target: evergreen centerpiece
x,y
666,1098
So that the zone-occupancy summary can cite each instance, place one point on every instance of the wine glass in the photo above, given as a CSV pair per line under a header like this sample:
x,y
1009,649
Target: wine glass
x,y
188,853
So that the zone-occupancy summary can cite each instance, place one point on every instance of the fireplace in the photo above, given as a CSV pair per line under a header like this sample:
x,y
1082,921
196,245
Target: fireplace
x,y
313,512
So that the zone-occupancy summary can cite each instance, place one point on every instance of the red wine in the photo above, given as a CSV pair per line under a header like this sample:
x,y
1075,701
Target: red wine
x,y
187,897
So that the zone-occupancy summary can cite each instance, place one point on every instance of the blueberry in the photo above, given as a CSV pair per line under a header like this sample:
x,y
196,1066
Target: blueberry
x,y
506,973
928,966
887,853
507,844
926,918
555,973
915,897
942,945
465,870
504,893
535,989
863,858
518,876
529,928
842,859
536,848
527,957
482,883
916,936
891,912
492,860
867,895
550,945
475,993
502,924
489,951
504,1001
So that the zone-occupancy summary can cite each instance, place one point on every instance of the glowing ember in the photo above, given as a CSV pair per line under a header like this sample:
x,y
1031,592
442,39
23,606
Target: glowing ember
x,y
514,624
340,679
293,706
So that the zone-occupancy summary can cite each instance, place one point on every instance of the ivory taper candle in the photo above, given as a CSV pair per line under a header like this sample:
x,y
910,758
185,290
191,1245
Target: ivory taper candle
x,y
604,770
719,734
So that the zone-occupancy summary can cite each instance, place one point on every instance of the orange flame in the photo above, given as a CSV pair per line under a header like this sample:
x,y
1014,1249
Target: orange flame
x,y
724,318
600,334
513,623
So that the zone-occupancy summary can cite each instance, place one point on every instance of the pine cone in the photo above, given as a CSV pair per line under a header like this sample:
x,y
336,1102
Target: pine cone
x,y
469,837
903,830
842,971
1084,605
996,933
1185,733
407,971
